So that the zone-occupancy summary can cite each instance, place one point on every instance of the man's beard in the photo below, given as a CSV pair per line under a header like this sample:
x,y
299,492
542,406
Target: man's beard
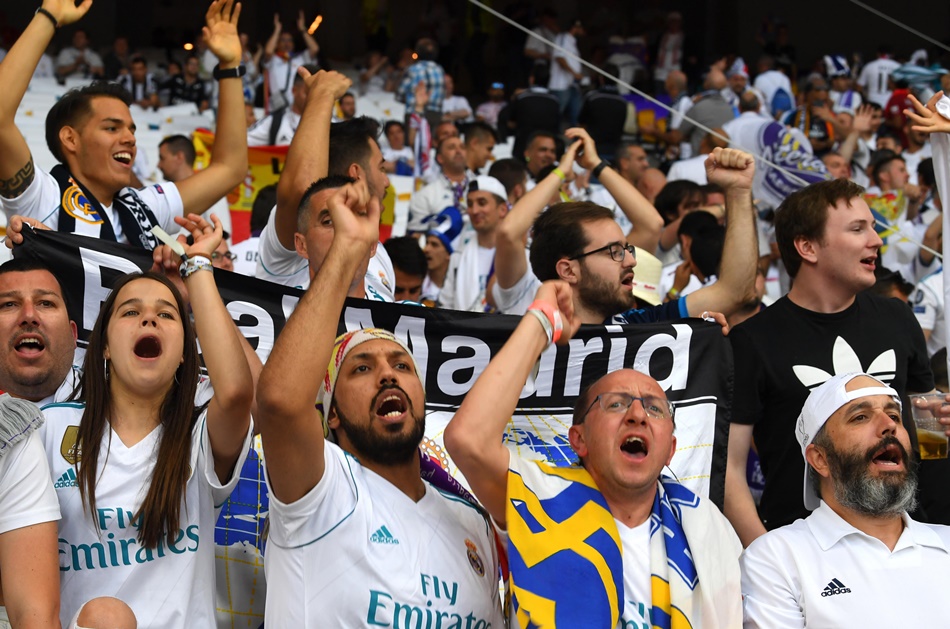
x,y
889,494
604,296
389,448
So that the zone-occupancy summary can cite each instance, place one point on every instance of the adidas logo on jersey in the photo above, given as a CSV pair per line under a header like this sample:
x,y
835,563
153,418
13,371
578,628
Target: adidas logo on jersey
x,y
383,536
835,587
68,479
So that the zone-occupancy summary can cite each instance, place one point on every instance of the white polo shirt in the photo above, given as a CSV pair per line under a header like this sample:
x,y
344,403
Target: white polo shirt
x,y
822,572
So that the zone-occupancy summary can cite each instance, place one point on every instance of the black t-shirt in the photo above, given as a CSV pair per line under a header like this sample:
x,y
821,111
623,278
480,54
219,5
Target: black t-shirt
x,y
785,351
182,92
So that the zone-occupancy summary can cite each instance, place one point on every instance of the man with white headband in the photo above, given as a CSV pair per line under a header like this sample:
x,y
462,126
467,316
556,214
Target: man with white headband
x,y
858,548
357,537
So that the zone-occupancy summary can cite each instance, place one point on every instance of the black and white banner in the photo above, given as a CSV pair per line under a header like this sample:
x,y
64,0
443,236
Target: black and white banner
x,y
690,359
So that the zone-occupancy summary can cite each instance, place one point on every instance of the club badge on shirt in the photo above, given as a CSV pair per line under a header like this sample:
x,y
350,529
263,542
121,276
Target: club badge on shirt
x,y
473,558
69,448
79,207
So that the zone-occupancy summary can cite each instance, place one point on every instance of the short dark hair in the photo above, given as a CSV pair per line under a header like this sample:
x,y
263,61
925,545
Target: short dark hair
x,y
350,94
804,214
540,133
24,265
264,202
393,123
925,172
407,255
559,232
509,171
427,49
673,194
708,238
75,107
180,144
750,102
881,160
350,144
303,210
541,74
479,130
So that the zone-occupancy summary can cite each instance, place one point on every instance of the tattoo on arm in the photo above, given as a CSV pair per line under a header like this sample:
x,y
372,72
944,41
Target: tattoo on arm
x,y
17,185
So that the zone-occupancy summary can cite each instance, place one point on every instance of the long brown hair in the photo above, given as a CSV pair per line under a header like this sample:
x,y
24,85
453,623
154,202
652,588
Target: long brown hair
x,y
159,514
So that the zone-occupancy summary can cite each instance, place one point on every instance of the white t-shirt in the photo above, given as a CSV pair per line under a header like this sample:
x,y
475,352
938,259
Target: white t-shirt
x,y
26,495
169,586
692,169
682,105
283,266
357,552
392,155
874,78
928,304
561,79
432,199
637,591
453,103
467,278
259,133
823,572
912,161
515,300
281,76
246,254
770,82
41,200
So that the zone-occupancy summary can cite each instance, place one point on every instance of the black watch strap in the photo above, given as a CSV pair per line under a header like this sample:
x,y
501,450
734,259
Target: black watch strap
x,y
230,73
599,168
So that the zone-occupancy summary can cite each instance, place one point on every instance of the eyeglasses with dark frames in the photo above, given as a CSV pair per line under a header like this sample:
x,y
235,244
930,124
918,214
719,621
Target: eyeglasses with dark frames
x,y
615,249
227,254
613,403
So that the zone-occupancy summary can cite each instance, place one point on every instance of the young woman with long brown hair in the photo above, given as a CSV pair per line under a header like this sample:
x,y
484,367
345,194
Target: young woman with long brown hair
x,y
138,469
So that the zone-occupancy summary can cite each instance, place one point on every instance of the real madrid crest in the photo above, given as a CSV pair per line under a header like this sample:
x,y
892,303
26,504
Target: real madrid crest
x,y
477,564
69,448
78,206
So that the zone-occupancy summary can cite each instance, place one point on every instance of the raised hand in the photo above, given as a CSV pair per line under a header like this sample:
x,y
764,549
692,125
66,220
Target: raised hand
x,y
355,215
925,117
862,119
560,296
206,236
67,11
730,168
325,82
15,229
587,156
566,163
221,33
278,27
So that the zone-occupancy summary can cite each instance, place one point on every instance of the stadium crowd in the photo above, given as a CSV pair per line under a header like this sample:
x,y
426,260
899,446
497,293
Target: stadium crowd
x,y
794,208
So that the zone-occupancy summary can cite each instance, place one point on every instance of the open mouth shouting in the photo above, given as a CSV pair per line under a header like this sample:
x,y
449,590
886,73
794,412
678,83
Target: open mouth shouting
x,y
626,280
634,448
123,157
29,345
391,405
890,456
148,347
869,262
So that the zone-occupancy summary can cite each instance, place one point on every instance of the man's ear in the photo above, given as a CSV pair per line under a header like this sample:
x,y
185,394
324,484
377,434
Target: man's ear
x,y
300,245
567,270
806,249
672,451
575,435
354,171
333,419
69,139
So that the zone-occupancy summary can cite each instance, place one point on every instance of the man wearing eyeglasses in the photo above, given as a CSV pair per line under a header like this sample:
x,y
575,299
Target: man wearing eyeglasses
x,y
582,244
609,542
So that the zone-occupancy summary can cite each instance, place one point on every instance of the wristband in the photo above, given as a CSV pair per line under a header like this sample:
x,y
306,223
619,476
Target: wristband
x,y
553,316
42,11
559,173
543,320
194,264
673,293
599,168
230,73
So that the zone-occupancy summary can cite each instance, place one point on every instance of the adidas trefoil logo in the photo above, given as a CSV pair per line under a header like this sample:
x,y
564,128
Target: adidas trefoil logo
x,y
835,587
383,536
68,479
845,360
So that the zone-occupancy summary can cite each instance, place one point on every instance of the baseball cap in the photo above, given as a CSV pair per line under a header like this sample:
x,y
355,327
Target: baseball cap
x,y
646,278
820,405
447,225
487,183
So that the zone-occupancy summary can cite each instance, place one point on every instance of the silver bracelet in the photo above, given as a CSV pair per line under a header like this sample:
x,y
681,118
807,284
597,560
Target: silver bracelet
x,y
194,264
543,319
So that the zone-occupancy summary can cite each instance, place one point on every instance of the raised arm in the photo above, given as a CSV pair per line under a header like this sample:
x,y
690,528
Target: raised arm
x,y
229,156
647,222
229,411
733,170
290,426
308,157
512,233
473,437
16,70
312,46
270,46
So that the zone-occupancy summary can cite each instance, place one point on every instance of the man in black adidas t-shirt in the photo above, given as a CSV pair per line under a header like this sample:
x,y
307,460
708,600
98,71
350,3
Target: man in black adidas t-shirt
x,y
825,326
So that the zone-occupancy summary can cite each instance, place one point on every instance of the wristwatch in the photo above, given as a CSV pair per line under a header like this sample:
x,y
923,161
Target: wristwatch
x,y
230,73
